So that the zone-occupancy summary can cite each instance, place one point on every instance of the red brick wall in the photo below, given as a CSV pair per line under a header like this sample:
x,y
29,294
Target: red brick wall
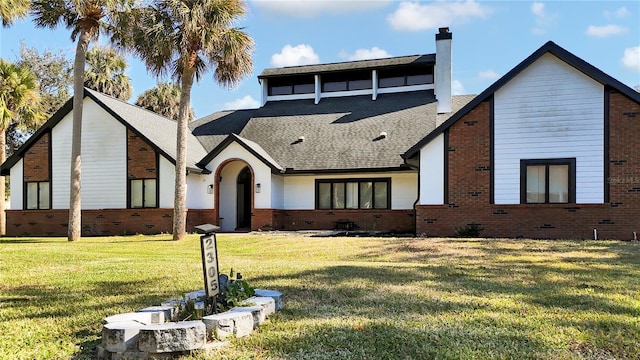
x,y
141,158
266,219
101,222
378,220
469,181
36,160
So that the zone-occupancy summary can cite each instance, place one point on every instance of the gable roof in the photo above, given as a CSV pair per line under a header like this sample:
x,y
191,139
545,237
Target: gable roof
x,y
550,47
255,149
158,131
340,134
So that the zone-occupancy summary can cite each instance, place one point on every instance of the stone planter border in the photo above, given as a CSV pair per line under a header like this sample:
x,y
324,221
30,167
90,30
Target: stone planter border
x,y
146,334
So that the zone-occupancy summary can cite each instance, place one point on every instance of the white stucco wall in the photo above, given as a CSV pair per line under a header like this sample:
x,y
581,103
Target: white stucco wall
x,y
432,172
17,185
228,195
166,180
550,110
197,196
299,191
104,154
277,191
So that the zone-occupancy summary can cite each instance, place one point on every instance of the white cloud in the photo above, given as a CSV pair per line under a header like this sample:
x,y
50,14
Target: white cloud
x,y
537,8
457,88
313,8
606,30
488,74
618,13
295,55
246,102
414,16
366,54
631,59
544,21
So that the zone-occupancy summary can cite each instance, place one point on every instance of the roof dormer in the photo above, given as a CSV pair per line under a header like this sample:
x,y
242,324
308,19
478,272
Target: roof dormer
x,y
365,77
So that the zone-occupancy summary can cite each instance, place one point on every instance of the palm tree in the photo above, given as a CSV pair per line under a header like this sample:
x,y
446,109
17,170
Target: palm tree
x,y
163,99
85,19
19,107
11,10
105,73
185,38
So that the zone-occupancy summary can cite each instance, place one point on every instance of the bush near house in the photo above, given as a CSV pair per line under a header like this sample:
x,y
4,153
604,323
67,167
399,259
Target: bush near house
x,y
348,298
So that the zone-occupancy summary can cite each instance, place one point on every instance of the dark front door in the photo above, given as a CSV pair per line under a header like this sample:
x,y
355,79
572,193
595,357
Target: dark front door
x,y
244,199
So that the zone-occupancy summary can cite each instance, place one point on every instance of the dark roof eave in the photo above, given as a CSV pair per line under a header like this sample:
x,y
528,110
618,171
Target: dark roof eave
x,y
402,167
192,170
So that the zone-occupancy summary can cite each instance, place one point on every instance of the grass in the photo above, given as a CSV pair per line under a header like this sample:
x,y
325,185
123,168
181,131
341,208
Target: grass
x,y
347,298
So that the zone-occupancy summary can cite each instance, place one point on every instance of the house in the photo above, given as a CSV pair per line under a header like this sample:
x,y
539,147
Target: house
x,y
549,150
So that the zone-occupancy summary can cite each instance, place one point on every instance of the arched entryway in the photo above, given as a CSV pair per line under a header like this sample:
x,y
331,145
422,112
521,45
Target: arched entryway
x,y
234,182
243,199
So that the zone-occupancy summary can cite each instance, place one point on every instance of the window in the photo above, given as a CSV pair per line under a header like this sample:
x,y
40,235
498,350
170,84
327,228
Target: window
x,y
143,193
290,85
550,181
357,80
405,77
38,195
353,194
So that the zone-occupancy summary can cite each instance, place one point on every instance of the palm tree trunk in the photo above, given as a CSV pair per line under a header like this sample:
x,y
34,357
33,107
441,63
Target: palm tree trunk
x,y
75,205
3,157
180,206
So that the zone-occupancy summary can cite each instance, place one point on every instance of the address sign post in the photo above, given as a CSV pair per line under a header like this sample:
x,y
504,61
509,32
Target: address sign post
x,y
209,249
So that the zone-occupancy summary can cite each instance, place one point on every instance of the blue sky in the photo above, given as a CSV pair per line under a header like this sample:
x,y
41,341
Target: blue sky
x,y
489,38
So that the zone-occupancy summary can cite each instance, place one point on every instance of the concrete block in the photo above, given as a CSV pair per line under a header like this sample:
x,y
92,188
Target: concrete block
x,y
167,310
258,312
175,303
120,336
229,323
172,337
267,303
198,295
275,295
146,318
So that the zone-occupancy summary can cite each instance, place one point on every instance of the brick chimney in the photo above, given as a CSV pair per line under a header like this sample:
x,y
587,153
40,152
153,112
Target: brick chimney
x,y
443,70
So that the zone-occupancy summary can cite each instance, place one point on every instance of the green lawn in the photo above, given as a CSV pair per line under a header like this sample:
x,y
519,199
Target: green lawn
x,y
345,298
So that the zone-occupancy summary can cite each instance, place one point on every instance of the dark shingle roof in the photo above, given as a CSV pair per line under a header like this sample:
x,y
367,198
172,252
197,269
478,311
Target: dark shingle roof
x,y
351,65
339,133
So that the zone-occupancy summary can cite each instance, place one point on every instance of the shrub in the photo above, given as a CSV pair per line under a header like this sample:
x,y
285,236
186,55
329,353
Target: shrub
x,y
469,231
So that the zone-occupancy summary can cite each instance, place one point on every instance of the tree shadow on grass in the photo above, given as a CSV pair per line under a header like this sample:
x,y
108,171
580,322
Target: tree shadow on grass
x,y
397,340
103,298
378,293
4,240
